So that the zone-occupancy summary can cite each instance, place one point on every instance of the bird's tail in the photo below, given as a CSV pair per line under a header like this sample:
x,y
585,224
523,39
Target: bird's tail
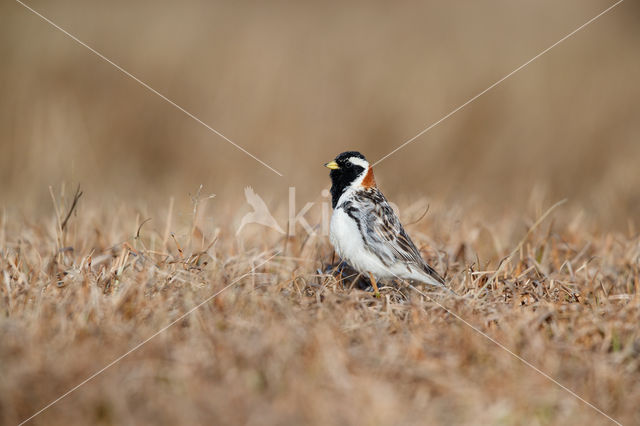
x,y
432,278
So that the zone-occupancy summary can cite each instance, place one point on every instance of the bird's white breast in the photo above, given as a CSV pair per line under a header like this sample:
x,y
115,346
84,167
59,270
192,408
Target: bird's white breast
x,y
348,243
344,235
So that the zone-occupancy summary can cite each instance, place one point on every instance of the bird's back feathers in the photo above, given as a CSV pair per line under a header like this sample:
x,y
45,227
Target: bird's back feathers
x,y
383,233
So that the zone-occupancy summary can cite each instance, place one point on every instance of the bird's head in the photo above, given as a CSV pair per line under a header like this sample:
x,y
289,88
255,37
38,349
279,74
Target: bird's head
x,y
349,169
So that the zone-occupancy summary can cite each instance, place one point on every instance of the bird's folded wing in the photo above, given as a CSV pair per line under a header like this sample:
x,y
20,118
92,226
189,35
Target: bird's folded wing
x,y
384,235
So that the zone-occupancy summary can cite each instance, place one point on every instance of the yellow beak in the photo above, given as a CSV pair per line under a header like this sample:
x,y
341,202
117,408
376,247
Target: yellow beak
x,y
332,165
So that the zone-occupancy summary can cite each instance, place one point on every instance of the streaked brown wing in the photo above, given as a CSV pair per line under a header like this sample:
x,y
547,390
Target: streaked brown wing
x,y
384,235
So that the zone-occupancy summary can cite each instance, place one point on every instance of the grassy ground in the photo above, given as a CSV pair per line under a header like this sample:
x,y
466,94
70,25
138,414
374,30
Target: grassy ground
x,y
295,83
282,343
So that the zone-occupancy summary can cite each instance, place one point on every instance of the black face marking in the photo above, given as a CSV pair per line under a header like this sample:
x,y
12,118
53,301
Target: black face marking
x,y
343,177
352,212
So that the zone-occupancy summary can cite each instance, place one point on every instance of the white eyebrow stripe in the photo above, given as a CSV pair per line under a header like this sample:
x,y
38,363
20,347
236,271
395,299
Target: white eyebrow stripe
x,y
359,162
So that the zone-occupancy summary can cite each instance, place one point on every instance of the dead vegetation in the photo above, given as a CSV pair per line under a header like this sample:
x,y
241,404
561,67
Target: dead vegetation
x,y
284,344
294,83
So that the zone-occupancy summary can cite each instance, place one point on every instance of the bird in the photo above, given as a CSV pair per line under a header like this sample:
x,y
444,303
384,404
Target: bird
x,y
260,213
365,231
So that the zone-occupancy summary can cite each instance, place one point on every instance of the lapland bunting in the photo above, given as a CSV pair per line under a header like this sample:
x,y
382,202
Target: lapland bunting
x,y
365,231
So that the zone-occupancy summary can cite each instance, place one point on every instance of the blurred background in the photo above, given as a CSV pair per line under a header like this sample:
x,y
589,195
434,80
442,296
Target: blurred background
x,y
296,82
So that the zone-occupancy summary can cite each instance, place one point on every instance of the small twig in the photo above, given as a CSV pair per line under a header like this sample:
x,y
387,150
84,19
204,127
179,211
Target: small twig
x,y
177,245
421,216
140,227
76,197
167,229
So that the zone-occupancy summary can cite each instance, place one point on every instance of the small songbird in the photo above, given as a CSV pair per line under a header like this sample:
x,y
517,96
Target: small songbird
x,y
365,231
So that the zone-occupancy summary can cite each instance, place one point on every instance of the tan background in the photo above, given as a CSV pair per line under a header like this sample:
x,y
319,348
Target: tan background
x,y
297,82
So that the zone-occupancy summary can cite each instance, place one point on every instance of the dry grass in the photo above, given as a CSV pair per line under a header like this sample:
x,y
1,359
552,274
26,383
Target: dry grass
x,y
286,345
296,83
